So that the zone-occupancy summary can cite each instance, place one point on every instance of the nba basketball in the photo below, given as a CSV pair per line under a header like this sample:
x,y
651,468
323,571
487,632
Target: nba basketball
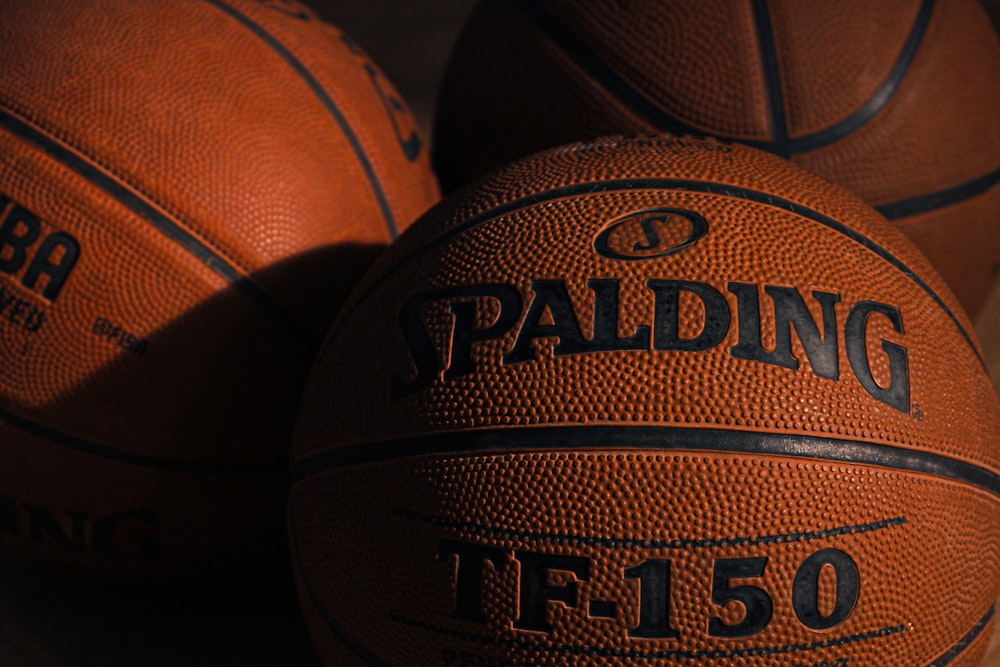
x,y
188,189
661,400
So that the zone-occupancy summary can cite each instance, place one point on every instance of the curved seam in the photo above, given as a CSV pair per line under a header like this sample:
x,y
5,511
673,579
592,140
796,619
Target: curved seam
x,y
627,542
578,52
933,201
55,136
875,104
771,71
959,647
701,655
326,100
136,200
624,437
706,187
652,113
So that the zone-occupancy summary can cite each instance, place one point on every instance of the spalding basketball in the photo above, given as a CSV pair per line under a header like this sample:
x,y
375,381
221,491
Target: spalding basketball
x,y
896,101
187,191
664,401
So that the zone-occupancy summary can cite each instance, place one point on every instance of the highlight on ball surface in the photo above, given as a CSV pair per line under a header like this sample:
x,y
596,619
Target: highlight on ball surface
x,y
659,399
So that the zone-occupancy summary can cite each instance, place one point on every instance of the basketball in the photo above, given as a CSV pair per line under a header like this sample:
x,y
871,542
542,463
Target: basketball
x,y
666,400
187,192
895,101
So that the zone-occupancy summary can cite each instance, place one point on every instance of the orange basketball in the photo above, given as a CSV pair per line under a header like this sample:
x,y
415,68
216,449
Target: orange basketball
x,y
896,101
187,191
663,401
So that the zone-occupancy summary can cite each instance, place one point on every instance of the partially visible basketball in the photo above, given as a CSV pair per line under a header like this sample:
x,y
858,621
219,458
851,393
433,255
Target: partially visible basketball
x,y
188,188
896,101
663,401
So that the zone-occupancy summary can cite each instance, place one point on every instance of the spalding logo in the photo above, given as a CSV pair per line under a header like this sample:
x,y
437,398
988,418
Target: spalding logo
x,y
655,232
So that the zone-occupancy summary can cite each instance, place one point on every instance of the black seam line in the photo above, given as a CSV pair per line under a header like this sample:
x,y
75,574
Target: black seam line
x,y
577,50
347,639
940,199
878,101
605,437
771,71
494,533
136,203
130,458
683,185
633,654
328,103
964,643
598,70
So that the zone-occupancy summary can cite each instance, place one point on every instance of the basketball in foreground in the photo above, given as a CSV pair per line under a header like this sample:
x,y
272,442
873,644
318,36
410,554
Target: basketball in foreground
x,y
187,192
896,101
663,400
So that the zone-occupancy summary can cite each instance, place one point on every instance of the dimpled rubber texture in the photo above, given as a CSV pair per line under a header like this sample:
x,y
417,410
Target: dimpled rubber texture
x,y
894,101
210,177
475,481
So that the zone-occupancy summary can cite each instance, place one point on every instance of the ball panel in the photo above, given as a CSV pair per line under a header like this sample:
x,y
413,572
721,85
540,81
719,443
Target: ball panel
x,y
646,47
969,249
602,515
833,59
930,103
367,107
